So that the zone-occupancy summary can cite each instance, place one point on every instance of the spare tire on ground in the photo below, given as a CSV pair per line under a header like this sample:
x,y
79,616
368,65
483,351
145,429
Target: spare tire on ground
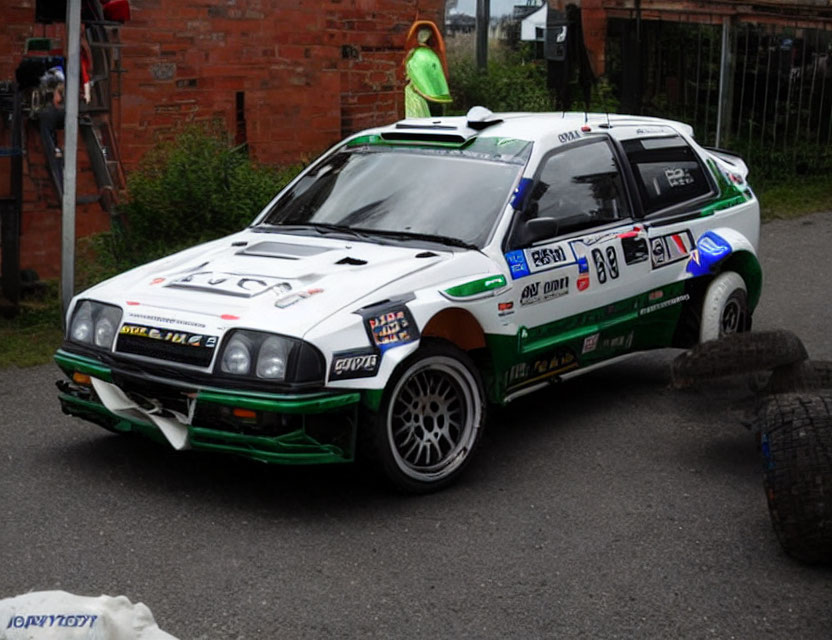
x,y
796,445
736,354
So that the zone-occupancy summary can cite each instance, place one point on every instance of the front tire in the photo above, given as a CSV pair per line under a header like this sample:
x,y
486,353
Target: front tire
x,y
725,308
430,419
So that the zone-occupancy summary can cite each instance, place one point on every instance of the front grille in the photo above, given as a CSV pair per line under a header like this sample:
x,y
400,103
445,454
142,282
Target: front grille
x,y
161,350
140,390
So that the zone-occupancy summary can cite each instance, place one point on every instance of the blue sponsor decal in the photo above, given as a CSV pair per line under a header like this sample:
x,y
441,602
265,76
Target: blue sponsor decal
x,y
519,196
583,265
711,248
517,264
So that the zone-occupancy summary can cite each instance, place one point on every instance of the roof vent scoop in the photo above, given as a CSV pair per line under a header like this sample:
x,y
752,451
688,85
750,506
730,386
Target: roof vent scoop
x,y
480,118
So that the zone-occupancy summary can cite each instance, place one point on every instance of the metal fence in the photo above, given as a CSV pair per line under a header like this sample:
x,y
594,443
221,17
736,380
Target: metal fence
x,y
777,86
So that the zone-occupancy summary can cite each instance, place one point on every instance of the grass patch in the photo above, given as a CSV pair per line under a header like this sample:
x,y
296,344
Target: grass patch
x,y
794,197
31,337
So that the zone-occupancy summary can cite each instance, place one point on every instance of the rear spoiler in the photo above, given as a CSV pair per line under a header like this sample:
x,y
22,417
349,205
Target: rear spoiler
x,y
731,158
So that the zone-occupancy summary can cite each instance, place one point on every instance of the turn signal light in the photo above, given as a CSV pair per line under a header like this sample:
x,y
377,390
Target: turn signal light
x,y
244,413
81,378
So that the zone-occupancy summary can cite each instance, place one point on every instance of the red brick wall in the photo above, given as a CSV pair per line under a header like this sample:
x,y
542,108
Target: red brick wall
x,y
310,72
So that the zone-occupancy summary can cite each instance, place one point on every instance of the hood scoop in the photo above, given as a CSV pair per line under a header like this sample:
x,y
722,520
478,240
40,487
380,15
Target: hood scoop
x,y
282,250
356,262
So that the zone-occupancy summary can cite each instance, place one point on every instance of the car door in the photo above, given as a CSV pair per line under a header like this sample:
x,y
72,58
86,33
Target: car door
x,y
673,186
576,290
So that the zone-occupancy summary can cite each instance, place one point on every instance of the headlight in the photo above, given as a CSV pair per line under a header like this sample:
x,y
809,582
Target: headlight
x,y
266,356
236,357
94,324
81,327
271,362
105,327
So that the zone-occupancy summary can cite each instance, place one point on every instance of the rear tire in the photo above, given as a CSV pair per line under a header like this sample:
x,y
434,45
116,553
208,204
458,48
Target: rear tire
x,y
725,308
430,419
796,446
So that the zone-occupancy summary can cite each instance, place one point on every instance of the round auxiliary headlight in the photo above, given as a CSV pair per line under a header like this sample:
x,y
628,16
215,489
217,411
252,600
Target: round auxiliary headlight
x,y
236,358
81,328
271,363
105,329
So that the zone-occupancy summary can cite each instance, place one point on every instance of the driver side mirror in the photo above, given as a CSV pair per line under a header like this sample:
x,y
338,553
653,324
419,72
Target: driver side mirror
x,y
538,229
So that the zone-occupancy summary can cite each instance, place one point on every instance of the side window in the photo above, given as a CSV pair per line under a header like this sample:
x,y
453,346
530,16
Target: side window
x,y
581,187
667,172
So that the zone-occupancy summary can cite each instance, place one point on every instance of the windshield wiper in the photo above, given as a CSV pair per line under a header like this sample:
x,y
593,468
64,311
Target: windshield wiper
x,y
364,233
428,237
321,227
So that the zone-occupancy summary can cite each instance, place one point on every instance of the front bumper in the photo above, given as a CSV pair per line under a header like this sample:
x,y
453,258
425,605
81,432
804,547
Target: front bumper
x,y
304,428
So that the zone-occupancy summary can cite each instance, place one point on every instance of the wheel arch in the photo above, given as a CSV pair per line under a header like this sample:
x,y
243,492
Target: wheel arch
x,y
746,264
457,326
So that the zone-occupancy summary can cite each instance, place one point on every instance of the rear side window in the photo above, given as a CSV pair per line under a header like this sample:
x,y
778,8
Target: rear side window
x,y
667,171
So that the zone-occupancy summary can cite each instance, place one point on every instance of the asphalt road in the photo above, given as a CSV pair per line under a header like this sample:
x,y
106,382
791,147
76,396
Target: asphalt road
x,y
608,507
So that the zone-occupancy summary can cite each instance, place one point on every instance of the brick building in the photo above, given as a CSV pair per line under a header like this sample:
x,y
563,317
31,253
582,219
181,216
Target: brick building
x,y
289,78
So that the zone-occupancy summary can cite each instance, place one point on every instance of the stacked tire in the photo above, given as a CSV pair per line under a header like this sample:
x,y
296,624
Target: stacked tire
x,y
796,445
793,420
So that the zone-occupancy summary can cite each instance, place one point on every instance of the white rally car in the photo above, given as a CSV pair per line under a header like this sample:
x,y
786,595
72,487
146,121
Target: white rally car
x,y
413,274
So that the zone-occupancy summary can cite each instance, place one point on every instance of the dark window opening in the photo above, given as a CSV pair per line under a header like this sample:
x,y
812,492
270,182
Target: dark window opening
x,y
581,188
240,130
667,172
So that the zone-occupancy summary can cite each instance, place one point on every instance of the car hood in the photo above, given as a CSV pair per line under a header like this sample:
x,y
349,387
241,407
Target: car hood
x,y
280,283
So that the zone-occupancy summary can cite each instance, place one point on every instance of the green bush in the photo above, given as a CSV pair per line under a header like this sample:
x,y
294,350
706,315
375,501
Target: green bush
x,y
511,82
185,191
515,81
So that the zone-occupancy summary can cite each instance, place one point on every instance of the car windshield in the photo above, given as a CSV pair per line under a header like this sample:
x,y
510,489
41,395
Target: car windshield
x,y
387,192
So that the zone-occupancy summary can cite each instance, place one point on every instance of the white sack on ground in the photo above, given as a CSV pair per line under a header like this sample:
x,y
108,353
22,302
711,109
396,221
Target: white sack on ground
x,y
58,615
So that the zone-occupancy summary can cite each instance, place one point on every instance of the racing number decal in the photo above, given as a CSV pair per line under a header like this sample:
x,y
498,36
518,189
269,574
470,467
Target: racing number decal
x,y
600,265
604,266
612,262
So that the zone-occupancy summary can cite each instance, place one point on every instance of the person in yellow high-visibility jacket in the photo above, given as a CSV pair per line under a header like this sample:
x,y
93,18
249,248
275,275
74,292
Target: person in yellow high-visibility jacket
x,y
426,71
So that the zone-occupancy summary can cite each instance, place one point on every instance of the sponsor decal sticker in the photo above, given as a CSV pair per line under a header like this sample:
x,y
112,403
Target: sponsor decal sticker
x,y
618,342
658,294
569,136
517,264
52,620
545,366
165,335
392,328
361,363
583,275
678,177
710,249
229,284
664,304
590,343
670,248
167,320
535,292
548,256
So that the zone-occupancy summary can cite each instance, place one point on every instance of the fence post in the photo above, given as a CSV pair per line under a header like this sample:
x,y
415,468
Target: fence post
x,y
726,84
483,26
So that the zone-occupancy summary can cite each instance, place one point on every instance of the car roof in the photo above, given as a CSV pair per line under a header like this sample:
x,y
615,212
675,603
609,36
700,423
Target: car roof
x,y
480,122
